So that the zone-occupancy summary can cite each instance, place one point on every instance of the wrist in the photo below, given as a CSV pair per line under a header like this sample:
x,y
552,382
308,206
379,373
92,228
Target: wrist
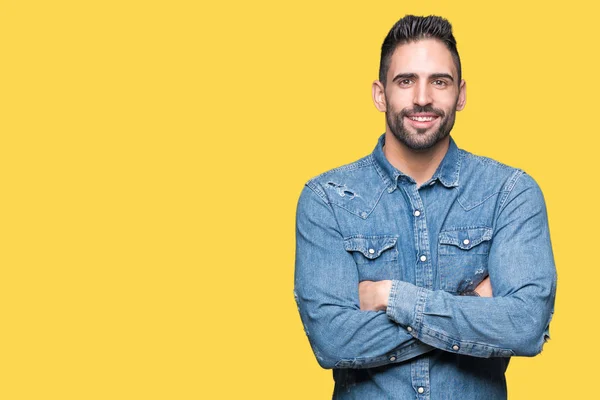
x,y
384,293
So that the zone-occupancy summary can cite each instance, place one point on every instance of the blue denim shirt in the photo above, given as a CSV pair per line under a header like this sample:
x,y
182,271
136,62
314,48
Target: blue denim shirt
x,y
368,221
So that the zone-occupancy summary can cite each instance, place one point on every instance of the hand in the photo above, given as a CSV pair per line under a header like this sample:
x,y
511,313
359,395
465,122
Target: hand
x,y
484,289
374,296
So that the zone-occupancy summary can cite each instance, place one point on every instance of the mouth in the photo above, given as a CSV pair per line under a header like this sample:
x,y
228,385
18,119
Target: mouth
x,y
422,120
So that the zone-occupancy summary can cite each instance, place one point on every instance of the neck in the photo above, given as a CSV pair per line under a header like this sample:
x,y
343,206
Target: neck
x,y
418,164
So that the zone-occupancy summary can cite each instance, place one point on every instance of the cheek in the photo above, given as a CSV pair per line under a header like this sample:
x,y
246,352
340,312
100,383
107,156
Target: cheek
x,y
399,99
396,106
448,107
447,100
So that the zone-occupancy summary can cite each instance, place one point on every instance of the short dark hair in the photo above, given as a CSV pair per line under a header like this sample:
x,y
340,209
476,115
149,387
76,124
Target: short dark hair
x,y
411,28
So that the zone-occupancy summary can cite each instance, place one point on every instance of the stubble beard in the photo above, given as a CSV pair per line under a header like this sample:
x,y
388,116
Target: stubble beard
x,y
419,139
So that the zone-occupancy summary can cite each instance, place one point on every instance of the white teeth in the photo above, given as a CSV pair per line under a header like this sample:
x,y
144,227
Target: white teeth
x,y
422,119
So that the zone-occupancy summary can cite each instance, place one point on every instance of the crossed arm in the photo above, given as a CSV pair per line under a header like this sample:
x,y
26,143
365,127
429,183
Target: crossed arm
x,y
374,295
360,325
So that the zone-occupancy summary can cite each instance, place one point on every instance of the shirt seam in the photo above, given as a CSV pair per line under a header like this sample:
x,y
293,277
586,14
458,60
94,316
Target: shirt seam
x,y
316,190
508,188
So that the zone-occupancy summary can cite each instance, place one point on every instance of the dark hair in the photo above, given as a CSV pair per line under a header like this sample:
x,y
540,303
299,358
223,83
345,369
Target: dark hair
x,y
412,28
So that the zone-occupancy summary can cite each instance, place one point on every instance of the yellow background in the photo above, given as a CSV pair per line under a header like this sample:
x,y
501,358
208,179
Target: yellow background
x,y
151,158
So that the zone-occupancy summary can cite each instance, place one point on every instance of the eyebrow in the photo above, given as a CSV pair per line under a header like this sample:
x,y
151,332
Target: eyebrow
x,y
410,75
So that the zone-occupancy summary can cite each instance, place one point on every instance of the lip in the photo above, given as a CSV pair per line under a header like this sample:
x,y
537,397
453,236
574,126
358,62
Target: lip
x,y
422,124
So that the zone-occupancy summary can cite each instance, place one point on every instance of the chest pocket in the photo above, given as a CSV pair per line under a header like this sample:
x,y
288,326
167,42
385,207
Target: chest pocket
x,y
462,258
376,256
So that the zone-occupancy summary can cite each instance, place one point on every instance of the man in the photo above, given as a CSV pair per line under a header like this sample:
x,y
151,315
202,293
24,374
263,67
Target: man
x,y
422,268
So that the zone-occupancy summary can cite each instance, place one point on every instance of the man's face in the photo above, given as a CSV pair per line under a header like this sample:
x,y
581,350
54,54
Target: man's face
x,y
422,94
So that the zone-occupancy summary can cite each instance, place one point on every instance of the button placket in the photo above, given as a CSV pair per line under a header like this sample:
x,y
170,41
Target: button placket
x,y
423,271
420,377
423,278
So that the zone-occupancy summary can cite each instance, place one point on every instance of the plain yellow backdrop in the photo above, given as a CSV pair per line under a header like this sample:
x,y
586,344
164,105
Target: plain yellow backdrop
x,y
152,154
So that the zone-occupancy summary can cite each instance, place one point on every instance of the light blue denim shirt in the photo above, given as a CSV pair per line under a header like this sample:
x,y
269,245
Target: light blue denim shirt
x,y
368,221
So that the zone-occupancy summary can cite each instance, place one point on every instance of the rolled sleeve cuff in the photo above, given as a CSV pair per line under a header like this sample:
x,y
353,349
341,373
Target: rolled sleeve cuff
x,y
406,304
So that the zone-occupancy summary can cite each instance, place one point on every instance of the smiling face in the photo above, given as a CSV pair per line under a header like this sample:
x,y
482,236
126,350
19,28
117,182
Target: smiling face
x,y
422,94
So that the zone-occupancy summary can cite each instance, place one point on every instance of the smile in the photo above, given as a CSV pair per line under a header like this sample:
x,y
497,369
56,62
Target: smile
x,y
422,119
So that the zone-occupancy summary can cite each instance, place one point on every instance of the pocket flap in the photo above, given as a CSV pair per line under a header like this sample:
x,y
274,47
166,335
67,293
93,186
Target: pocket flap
x,y
466,238
370,246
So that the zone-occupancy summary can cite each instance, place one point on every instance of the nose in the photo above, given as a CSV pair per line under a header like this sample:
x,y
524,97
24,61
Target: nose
x,y
422,95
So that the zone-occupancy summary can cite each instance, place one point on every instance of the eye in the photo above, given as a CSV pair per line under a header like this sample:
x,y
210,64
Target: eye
x,y
439,82
405,82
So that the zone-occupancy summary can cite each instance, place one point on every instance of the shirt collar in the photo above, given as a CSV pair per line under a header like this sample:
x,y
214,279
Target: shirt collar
x,y
447,172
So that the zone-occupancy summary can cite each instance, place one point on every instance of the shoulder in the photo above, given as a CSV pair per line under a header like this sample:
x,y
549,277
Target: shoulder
x,y
341,176
356,186
483,177
474,165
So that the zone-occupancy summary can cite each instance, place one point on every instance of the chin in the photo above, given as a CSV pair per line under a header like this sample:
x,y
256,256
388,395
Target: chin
x,y
421,144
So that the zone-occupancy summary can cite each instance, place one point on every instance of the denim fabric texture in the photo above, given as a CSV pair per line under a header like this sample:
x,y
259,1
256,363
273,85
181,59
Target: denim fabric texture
x,y
474,218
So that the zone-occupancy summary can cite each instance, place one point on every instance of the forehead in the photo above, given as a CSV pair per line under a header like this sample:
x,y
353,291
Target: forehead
x,y
423,57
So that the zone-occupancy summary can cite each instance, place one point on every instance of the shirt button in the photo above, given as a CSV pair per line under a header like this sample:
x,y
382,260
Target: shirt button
x,y
371,251
417,213
455,347
393,358
408,328
420,389
423,258
466,241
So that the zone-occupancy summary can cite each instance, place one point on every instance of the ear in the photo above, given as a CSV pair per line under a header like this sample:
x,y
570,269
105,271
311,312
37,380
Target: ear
x,y
378,93
462,95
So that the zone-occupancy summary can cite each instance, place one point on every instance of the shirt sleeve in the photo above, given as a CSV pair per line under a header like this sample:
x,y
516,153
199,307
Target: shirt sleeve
x,y
523,275
326,292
